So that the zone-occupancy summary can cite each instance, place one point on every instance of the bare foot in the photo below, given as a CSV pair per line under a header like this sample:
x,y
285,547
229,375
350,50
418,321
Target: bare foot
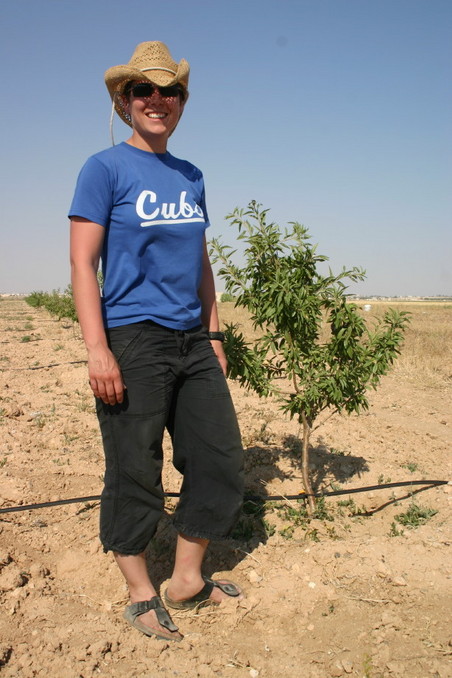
x,y
149,620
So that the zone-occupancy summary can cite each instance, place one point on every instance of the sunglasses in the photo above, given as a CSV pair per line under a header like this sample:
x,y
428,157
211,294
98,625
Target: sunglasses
x,y
147,89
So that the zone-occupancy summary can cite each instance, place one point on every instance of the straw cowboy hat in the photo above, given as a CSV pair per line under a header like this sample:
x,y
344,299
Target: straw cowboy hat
x,y
150,61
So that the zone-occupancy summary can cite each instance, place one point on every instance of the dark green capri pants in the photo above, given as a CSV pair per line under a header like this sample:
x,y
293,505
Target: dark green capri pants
x,y
173,381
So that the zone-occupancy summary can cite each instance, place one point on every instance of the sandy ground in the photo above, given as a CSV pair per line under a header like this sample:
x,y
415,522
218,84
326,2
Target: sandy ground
x,y
345,594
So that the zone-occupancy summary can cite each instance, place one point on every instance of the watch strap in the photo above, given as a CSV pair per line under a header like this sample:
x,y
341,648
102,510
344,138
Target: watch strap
x,y
216,336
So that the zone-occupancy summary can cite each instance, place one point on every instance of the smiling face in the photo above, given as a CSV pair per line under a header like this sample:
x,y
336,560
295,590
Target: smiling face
x,y
154,116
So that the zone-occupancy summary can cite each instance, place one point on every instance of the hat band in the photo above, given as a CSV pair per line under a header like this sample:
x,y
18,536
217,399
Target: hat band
x,y
158,68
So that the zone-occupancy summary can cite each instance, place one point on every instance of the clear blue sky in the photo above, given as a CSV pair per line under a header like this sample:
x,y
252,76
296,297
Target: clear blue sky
x,y
334,113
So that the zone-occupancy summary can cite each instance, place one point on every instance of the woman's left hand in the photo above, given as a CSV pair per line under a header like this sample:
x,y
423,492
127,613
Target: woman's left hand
x,y
219,352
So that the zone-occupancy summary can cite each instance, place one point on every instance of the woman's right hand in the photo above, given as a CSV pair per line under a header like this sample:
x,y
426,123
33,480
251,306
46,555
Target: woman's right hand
x,y
105,376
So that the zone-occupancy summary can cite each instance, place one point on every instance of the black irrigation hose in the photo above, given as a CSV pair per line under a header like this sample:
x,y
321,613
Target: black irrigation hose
x,y
44,367
302,495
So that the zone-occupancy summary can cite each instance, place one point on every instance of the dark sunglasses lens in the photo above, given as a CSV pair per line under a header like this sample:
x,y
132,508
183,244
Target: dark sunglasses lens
x,y
143,90
172,91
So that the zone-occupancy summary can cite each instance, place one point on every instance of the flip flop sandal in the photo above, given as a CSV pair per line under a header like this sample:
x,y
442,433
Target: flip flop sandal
x,y
133,612
203,597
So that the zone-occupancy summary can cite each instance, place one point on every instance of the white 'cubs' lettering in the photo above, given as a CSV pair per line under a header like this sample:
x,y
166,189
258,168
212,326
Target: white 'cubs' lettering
x,y
169,212
140,204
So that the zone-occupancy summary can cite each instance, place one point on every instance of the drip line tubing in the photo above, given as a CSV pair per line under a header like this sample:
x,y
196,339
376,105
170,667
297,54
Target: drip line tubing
x,y
44,367
248,497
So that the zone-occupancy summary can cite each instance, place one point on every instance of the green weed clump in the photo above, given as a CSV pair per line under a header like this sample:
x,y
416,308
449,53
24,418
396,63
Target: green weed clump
x,y
415,516
411,466
252,521
291,519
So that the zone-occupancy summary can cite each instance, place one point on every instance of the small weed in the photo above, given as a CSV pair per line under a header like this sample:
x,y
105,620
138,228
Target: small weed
x,y
252,521
353,509
5,359
287,532
3,462
58,347
313,535
321,510
254,508
61,462
346,502
411,466
337,453
331,531
415,516
330,610
394,531
297,515
40,420
244,529
28,326
367,666
269,528
86,405
25,339
382,480
263,435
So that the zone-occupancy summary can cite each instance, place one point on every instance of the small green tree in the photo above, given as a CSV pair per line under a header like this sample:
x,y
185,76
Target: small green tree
x,y
309,332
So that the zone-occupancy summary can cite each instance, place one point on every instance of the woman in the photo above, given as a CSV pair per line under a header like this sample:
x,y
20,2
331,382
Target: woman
x,y
155,354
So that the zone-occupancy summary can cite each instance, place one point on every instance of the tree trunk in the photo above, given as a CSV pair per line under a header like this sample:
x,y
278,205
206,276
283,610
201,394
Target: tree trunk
x,y
305,464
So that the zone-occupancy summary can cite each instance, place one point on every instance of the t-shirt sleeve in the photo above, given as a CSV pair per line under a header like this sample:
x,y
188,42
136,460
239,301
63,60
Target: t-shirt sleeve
x,y
203,205
93,197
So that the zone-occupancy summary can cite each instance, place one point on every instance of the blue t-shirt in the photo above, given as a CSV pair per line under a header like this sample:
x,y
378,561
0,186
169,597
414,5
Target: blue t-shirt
x,y
152,206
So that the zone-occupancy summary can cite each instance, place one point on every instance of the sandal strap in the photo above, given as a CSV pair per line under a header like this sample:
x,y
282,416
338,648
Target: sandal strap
x,y
204,593
155,603
227,587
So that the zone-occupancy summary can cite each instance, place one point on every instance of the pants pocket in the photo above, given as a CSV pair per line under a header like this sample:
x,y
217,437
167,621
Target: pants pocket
x,y
122,340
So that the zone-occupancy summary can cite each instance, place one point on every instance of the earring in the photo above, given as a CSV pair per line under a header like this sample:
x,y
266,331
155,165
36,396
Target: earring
x,y
121,100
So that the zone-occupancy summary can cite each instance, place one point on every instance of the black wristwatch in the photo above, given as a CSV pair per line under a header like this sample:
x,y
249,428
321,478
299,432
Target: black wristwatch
x,y
216,336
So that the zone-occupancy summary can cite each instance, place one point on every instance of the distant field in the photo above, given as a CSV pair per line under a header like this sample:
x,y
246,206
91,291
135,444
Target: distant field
x,y
426,356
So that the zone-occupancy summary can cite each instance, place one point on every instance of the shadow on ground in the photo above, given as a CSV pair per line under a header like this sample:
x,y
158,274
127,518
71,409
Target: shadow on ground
x,y
262,466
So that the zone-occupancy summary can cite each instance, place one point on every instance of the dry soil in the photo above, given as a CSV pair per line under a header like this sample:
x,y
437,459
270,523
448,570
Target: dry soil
x,y
354,592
